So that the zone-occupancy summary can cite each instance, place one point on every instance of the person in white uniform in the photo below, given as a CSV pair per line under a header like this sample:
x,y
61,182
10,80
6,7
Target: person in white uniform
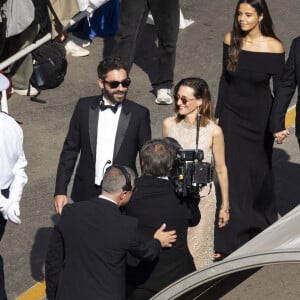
x,y
12,178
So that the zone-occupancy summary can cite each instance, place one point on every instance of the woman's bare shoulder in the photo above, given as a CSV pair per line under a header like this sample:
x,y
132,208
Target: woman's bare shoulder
x,y
169,120
216,130
275,46
227,38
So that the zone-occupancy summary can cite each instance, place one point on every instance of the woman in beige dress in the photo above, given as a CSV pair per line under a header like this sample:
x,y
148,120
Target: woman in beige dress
x,y
192,96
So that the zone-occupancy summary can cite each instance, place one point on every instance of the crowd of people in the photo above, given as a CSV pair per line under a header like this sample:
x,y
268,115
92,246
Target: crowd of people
x,y
136,235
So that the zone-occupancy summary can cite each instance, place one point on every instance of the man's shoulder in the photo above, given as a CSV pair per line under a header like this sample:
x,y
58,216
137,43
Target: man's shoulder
x,y
8,121
297,39
85,103
7,118
296,42
78,206
88,100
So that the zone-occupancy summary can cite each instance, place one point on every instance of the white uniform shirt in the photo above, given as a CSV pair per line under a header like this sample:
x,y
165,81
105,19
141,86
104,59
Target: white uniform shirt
x,y
106,135
12,158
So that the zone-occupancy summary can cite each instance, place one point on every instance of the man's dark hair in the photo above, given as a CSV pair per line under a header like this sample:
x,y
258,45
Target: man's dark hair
x,y
157,158
108,64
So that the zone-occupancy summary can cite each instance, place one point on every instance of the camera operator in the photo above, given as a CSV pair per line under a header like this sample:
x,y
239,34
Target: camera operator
x,y
193,101
155,202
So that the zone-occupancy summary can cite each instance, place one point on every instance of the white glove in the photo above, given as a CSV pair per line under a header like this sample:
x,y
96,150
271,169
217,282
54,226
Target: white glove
x,y
11,211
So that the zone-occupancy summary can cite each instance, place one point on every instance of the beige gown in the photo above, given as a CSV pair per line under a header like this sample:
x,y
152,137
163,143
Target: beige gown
x,y
201,237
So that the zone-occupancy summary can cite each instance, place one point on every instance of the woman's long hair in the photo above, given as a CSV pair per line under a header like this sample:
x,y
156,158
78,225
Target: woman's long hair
x,y
237,35
201,90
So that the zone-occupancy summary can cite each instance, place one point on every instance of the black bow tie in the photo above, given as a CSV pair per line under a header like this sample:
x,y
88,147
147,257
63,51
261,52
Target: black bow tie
x,y
104,107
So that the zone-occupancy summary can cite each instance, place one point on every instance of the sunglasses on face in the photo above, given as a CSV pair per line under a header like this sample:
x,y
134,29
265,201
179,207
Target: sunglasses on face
x,y
184,100
114,84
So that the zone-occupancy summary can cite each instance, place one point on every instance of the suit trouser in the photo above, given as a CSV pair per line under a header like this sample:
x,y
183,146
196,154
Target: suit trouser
x,y
2,286
64,10
22,69
133,14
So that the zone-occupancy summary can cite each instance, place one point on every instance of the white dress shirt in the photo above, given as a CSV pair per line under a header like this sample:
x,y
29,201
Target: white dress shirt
x,y
106,135
12,159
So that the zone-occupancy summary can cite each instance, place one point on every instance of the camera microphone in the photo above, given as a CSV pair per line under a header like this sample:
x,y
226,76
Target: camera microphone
x,y
108,162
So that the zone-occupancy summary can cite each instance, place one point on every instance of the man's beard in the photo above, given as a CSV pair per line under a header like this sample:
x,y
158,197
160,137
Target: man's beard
x,y
110,96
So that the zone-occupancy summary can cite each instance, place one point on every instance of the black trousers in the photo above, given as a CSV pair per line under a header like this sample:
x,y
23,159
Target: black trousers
x,y
133,14
2,286
2,229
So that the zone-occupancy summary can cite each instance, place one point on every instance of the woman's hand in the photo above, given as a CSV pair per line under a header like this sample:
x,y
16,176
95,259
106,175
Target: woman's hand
x,y
280,136
224,217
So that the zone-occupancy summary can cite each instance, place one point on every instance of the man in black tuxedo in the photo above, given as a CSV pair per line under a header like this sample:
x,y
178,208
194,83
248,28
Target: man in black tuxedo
x,y
104,129
87,251
153,203
287,88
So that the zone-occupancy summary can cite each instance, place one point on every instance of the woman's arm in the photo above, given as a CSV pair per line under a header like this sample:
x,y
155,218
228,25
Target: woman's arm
x,y
166,126
221,170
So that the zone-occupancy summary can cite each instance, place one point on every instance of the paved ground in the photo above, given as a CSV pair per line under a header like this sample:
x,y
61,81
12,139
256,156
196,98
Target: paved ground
x,y
199,54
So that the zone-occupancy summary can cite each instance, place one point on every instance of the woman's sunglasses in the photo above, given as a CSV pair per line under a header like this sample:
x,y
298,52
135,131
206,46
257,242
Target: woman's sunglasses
x,y
184,100
114,84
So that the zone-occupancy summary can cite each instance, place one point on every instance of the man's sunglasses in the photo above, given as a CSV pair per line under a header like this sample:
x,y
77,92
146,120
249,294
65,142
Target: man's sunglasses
x,y
114,84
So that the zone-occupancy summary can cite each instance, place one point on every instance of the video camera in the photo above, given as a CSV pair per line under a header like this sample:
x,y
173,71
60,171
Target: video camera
x,y
190,173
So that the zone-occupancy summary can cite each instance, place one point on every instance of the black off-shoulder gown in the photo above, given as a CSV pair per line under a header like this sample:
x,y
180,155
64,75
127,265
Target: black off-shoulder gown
x,y
243,109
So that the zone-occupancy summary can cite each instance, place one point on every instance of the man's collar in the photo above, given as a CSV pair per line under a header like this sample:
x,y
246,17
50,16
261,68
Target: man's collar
x,y
108,199
107,102
104,107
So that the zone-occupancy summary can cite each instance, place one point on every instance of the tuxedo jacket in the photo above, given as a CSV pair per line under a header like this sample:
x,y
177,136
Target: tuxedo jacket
x,y
154,203
87,252
132,132
289,82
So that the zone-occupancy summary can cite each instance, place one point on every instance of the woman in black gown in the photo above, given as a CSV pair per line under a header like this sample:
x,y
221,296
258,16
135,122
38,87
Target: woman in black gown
x,y
252,55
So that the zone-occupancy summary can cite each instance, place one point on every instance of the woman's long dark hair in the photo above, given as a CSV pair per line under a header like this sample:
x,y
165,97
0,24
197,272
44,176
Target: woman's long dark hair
x,y
201,90
237,35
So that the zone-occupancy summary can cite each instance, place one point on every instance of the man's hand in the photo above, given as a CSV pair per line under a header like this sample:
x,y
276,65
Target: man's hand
x,y
166,238
11,211
59,202
281,135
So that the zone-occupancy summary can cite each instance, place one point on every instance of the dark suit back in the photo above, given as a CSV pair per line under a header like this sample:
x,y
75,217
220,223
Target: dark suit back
x,y
290,80
155,203
95,238
132,132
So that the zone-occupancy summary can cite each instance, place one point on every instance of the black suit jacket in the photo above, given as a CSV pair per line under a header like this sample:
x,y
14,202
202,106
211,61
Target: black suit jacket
x,y
87,252
289,82
154,203
132,132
